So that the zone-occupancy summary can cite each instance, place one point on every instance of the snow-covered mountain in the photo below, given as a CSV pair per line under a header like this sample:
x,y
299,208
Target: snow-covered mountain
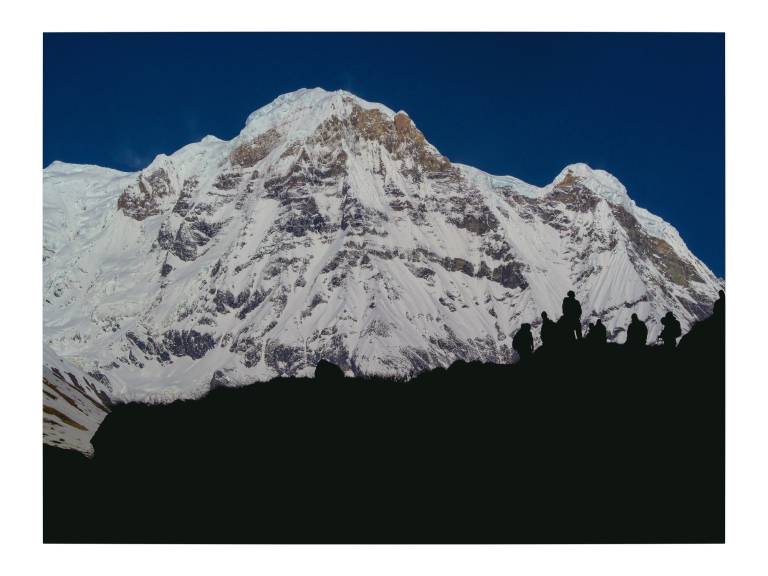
x,y
331,228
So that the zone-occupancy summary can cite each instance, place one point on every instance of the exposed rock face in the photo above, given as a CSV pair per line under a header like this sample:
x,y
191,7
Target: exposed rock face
x,y
644,245
192,234
150,347
401,138
143,199
331,229
403,124
509,275
249,153
188,343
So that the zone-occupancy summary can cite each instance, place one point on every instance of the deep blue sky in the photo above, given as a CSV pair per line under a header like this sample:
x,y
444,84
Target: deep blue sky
x,y
649,108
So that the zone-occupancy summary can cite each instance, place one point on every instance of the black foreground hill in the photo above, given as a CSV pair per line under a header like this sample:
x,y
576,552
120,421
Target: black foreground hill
x,y
592,444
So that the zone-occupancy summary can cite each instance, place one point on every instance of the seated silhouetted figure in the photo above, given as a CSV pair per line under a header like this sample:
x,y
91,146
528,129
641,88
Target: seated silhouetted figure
x,y
572,314
548,331
671,331
637,333
718,310
523,342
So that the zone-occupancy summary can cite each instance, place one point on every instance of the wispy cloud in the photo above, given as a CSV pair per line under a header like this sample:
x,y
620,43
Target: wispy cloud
x,y
129,158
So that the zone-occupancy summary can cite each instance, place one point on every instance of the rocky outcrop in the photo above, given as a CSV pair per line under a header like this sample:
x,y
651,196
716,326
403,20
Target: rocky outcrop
x,y
401,138
192,234
188,343
227,181
142,199
646,246
510,275
249,153
460,265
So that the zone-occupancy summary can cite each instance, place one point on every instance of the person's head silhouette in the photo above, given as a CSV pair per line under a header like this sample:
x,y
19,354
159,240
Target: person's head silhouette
x,y
571,294
634,317
544,316
721,294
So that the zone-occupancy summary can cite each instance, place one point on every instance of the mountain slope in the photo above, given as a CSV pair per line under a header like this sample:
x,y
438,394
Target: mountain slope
x,y
74,404
331,228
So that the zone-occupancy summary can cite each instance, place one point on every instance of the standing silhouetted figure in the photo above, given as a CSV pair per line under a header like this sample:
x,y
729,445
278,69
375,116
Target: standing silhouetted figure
x,y
600,333
548,331
523,342
572,314
637,333
671,331
597,334
590,333
718,311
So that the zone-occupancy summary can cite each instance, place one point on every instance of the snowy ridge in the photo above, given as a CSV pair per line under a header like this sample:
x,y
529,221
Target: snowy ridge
x,y
303,110
331,228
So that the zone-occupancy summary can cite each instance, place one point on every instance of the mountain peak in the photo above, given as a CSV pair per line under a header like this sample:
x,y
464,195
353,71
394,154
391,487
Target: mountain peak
x,y
331,229
600,182
304,109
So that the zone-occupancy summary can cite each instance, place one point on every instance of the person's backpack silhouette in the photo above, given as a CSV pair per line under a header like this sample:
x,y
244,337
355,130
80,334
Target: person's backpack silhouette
x,y
548,331
523,341
637,333
572,314
671,331
718,310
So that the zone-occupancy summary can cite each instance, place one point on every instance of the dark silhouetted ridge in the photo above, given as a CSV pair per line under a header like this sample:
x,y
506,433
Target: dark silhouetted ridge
x,y
588,444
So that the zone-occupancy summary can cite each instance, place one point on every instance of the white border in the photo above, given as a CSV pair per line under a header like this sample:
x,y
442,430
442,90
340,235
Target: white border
x,y
21,106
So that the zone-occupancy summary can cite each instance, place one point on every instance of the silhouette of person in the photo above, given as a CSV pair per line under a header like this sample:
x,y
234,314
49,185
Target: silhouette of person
x,y
637,333
671,331
600,333
572,314
590,335
523,341
326,371
718,310
564,332
597,334
548,331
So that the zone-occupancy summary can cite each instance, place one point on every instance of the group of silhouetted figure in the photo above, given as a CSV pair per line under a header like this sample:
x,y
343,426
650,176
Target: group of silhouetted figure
x,y
567,330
